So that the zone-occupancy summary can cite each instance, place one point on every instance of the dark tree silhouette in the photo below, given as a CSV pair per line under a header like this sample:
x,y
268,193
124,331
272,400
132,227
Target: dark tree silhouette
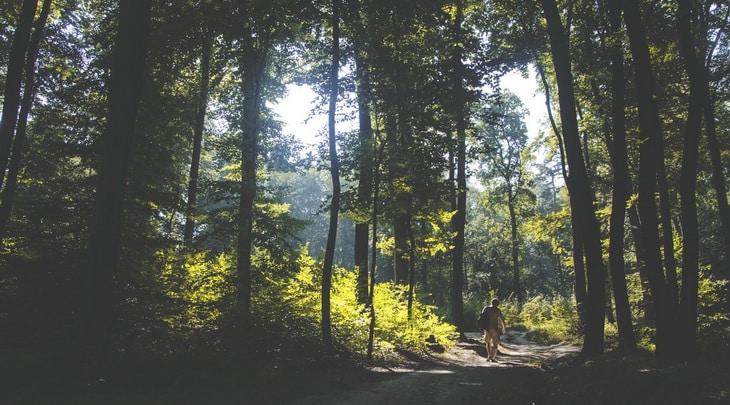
x,y
580,189
13,81
100,308
335,173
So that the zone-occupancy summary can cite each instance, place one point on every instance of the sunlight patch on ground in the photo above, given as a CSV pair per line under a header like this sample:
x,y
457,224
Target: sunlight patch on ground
x,y
435,372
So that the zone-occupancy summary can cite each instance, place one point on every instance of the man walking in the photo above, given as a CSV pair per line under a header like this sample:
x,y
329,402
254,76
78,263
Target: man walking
x,y
491,336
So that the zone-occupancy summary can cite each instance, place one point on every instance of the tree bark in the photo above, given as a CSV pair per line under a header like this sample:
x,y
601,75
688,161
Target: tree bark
x,y
515,247
100,309
364,196
718,168
365,150
18,148
252,64
580,289
335,173
588,223
13,81
649,155
400,233
192,203
458,223
621,184
688,184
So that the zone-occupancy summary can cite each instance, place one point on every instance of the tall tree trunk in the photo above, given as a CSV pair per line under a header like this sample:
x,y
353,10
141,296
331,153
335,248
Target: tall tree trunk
x,y
364,195
400,233
18,148
580,289
249,153
458,222
412,270
365,149
100,309
588,223
202,107
632,213
378,157
718,168
515,248
335,173
621,184
649,154
252,64
687,325
13,80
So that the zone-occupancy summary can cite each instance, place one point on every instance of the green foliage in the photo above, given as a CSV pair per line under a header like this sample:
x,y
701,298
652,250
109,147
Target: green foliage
x,y
395,328
713,322
550,319
350,320
195,292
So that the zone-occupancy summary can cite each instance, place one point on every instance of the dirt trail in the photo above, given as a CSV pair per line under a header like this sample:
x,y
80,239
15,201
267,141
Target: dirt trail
x,y
460,376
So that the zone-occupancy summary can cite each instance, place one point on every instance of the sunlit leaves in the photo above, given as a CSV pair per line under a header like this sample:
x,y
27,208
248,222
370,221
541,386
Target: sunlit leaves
x,y
195,286
350,319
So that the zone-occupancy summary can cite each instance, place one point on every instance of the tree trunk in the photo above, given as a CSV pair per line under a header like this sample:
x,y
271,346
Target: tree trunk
x,y
364,195
459,219
649,154
621,184
192,203
580,289
718,168
100,309
588,223
252,64
400,233
13,80
365,149
378,157
335,173
412,270
18,148
687,325
515,249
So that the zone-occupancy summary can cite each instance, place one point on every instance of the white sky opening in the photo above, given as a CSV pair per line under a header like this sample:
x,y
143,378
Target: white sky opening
x,y
295,109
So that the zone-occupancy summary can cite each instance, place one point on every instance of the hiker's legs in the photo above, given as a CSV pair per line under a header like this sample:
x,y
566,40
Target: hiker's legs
x,y
492,339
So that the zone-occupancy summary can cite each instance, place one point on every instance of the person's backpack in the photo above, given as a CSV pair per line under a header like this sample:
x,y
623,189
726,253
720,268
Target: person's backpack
x,y
482,321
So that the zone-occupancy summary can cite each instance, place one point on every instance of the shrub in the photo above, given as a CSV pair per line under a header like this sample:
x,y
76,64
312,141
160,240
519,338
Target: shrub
x,y
350,320
551,319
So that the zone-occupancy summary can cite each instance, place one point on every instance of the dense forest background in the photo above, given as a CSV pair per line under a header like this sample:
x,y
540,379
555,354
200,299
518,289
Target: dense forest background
x,y
153,202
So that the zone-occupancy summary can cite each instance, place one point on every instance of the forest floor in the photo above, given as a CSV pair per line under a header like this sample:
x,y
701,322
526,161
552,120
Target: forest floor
x,y
526,373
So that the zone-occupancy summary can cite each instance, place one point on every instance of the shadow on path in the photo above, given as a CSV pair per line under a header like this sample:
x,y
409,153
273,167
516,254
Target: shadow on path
x,y
460,376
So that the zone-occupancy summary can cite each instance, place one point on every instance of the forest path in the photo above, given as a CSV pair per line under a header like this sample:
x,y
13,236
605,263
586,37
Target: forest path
x,y
460,376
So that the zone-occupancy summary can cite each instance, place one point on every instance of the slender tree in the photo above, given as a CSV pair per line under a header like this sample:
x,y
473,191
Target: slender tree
x,y
621,182
201,109
649,155
13,81
587,221
688,182
580,289
356,18
335,173
713,146
458,221
18,149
